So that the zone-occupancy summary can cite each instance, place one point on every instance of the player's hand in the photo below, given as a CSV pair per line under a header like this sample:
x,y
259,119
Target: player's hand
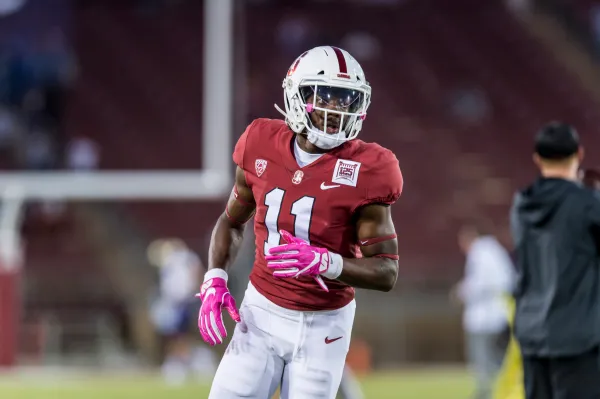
x,y
215,296
298,258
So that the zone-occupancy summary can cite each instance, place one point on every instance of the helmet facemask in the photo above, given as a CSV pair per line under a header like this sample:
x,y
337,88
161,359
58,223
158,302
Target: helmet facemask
x,y
328,114
332,114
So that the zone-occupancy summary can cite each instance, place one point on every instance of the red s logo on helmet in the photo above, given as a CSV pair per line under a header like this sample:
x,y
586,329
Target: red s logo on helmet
x,y
295,65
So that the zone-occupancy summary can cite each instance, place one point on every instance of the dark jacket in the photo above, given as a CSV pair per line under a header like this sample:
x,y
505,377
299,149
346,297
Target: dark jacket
x,y
555,225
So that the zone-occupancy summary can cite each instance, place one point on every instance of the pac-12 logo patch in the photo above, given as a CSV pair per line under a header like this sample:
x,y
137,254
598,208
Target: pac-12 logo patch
x,y
346,172
260,165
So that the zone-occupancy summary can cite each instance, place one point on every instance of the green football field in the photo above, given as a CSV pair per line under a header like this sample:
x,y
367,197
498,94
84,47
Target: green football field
x,y
407,384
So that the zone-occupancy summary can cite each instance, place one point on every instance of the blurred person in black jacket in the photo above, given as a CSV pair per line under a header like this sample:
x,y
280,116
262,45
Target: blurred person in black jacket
x,y
555,224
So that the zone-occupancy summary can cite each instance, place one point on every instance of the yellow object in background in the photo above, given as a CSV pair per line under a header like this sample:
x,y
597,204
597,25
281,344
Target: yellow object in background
x,y
510,380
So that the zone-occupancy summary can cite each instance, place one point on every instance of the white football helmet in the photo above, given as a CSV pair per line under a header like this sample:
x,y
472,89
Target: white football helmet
x,y
330,80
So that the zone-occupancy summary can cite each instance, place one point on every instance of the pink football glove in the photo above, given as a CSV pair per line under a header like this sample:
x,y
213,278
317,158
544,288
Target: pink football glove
x,y
298,258
215,295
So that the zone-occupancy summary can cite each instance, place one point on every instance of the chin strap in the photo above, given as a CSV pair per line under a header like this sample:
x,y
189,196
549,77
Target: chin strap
x,y
282,112
287,120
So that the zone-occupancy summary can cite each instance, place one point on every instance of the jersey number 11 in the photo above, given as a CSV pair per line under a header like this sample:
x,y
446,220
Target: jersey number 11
x,y
301,209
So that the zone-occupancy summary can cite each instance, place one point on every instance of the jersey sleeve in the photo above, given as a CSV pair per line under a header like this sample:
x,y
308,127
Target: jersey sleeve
x,y
241,146
385,181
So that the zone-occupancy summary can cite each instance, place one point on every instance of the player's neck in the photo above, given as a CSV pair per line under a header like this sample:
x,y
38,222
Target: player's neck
x,y
307,146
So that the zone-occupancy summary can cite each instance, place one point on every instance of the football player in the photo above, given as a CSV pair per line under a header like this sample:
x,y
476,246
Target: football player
x,y
321,204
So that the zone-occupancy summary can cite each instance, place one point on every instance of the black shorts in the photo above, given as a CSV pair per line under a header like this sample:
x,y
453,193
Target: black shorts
x,y
572,377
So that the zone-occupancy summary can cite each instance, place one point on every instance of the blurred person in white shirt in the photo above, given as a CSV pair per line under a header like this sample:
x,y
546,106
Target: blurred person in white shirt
x,y
10,129
180,271
83,154
489,278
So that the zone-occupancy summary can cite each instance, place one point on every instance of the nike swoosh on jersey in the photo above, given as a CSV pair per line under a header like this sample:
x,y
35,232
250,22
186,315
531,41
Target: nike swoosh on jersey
x,y
326,187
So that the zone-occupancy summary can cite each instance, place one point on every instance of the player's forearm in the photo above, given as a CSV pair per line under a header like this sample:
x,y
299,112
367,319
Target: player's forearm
x,y
374,273
225,242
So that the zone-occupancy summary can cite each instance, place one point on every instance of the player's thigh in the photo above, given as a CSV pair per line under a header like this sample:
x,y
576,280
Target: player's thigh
x,y
576,376
317,370
249,368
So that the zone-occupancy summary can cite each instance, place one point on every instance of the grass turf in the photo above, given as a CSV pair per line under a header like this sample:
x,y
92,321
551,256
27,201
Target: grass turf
x,y
406,384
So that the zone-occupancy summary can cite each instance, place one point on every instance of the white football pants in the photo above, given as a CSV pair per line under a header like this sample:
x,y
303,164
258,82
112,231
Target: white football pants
x,y
302,352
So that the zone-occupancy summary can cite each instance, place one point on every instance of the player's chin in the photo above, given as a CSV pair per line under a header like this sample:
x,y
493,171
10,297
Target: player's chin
x,y
329,129
332,130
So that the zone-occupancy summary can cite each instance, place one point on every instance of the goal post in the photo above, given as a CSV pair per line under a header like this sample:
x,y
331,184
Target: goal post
x,y
11,257
126,185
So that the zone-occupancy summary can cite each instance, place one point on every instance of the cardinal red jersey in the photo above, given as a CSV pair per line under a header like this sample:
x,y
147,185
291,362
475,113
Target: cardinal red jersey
x,y
316,202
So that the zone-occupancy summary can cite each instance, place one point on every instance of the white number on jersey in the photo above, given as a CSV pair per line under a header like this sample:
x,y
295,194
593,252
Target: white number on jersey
x,y
301,209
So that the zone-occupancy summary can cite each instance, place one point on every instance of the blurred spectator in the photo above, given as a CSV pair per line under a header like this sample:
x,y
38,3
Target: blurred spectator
x,y
18,74
172,311
4,76
39,149
52,212
469,104
54,62
83,154
10,6
55,71
294,33
362,45
33,108
519,6
595,22
41,146
489,277
10,129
